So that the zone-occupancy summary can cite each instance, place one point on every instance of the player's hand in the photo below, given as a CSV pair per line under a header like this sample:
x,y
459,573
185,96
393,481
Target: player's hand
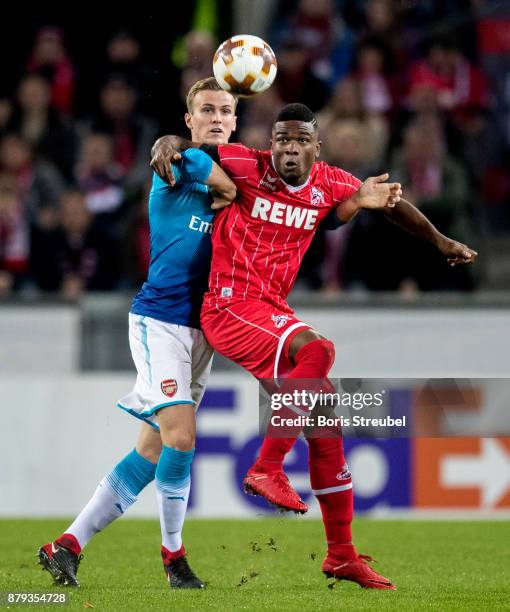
x,y
220,203
219,200
376,193
456,253
163,154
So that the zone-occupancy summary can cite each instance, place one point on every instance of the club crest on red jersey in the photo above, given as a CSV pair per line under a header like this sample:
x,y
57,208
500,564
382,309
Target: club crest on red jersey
x,y
169,387
280,320
316,196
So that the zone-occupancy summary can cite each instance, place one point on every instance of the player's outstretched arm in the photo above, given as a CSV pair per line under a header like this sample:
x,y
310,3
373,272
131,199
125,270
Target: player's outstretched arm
x,y
223,190
374,193
410,219
166,150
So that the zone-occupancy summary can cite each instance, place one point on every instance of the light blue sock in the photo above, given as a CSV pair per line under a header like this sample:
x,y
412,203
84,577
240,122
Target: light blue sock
x,y
173,482
130,476
115,494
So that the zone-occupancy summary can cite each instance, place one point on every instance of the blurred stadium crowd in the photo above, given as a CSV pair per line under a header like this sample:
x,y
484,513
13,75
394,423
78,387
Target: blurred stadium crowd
x,y
419,89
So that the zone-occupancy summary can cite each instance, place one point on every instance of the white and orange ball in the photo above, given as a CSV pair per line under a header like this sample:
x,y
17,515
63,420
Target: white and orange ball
x,y
244,65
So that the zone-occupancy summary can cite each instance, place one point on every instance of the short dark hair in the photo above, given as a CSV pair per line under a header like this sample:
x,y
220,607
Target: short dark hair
x,y
297,112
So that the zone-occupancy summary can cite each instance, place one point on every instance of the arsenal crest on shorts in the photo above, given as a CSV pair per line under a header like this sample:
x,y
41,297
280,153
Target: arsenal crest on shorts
x,y
169,387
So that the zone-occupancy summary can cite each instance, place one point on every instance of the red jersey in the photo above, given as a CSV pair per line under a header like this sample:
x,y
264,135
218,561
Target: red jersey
x,y
261,238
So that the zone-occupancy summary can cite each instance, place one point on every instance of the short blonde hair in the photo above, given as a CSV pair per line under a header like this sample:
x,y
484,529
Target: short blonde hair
x,y
208,84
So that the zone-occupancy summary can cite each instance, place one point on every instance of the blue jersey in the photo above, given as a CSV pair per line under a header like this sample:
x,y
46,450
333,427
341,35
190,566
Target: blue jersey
x,y
180,220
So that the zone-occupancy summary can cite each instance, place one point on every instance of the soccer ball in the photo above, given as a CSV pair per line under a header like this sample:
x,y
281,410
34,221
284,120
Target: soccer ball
x,y
244,65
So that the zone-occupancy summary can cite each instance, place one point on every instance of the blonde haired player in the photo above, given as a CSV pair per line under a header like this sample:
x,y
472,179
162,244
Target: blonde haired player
x,y
172,357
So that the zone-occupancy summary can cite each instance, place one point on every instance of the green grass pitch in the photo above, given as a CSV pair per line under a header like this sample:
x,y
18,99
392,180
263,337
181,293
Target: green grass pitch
x,y
272,564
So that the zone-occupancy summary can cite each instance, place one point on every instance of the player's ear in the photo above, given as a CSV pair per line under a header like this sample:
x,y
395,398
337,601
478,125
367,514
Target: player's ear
x,y
318,149
235,123
188,120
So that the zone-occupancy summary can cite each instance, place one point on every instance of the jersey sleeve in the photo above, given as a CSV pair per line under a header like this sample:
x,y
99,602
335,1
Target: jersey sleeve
x,y
237,160
194,167
343,184
161,188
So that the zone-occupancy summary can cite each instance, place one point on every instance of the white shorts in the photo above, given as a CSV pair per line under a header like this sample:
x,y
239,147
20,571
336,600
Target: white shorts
x,y
173,363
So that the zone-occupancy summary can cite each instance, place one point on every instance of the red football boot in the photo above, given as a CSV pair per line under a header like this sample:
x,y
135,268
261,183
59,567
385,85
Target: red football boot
x,y
275,487
356,570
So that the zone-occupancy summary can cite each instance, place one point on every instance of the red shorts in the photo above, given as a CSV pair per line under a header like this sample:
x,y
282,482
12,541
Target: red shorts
x,y
253,334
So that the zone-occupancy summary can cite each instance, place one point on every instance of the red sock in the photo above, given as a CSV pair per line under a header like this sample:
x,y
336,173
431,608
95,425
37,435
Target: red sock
x,y
331,483
67,540
168,555
272,453
313,361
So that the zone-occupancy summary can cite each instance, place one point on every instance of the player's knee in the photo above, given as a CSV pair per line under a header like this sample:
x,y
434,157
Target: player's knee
x,y
182,439
177,426
327,351
319,352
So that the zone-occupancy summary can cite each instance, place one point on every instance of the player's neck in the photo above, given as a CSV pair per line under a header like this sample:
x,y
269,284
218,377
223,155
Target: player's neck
x,y
292,187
